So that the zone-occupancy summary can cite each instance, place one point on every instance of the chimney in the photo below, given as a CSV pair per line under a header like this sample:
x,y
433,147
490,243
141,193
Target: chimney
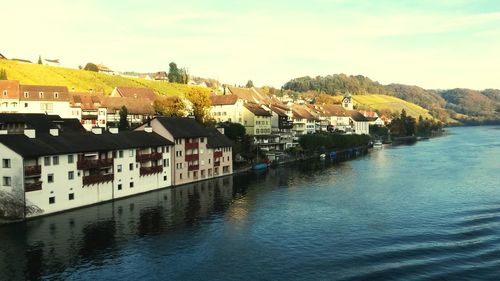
x,y
97,131
148,129
30,133
113,130
54,132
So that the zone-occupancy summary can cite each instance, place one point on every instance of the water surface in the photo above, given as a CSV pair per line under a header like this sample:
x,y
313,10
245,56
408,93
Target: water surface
x,y
426,211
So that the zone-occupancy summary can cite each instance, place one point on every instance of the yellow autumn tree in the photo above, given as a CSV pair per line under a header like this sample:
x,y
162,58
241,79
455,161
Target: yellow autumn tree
x,y
200,100
170,106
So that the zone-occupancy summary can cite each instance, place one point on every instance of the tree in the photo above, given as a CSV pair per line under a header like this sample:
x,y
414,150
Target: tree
x,y
39,59
91,67
170,106
234,131
183,76
173,73
249,84
200,98
123,125
3,74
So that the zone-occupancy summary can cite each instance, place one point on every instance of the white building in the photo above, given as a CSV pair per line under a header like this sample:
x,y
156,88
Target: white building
x,y
227,108
43,172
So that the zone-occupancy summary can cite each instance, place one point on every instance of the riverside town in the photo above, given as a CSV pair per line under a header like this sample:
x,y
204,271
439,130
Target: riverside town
x,y
250,140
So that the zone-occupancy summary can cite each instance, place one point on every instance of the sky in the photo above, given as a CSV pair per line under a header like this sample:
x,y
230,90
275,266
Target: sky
x,y
432,44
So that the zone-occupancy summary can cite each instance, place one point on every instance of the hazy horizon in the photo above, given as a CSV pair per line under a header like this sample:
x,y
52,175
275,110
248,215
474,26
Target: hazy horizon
x,y
451,44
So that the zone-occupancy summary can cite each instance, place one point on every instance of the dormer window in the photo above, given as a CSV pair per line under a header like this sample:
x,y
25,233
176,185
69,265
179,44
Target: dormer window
x,y
40,94
26,94
56,95
4,93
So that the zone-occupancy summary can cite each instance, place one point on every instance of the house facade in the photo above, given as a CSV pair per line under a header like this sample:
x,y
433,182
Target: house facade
x,y
227,108
198,152
46,172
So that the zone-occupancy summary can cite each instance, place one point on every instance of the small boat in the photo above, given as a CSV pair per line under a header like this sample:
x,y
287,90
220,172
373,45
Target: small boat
x,y
260,166
378,144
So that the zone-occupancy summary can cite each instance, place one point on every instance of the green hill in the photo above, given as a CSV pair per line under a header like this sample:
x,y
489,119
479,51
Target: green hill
x,y
82,80
388,103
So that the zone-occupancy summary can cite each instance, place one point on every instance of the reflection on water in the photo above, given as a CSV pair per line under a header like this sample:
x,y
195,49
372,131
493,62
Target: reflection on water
x,y
48,245
427,211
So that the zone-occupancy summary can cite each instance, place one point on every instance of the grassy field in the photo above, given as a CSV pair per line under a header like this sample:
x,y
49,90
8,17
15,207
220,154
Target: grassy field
x,y
81,80
380,102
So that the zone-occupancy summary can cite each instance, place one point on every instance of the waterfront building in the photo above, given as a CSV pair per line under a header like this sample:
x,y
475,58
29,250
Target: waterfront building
x,y
88,108
303,121
199,153
359,123
47,171
282,125
139,110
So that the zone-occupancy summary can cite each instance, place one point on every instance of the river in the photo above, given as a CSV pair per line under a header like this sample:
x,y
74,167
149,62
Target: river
x,y
425,211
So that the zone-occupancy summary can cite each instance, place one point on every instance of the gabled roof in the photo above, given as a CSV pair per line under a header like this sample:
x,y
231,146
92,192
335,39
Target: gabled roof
x,y
161,75
133,105
2,57
40,122
52,61
21,60
257,110
216,139
301,112
86,101
356,116
10,87
137,93
334,110
251,95
48,93
224,99
278,110
67,143
182,127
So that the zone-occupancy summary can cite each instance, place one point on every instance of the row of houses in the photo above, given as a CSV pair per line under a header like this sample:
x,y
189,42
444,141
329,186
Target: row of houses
x,y
91,109
277,124
51,164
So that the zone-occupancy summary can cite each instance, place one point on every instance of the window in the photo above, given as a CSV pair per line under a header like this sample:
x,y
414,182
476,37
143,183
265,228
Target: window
x,y
46,161
120,186
56,95
40,95
26,95
131,166
6,163
166,162
202,139
4,93
119,168
164,178
71,175
71,196
50,178
131,153
55,160
120,153
25,104
180,176
131,184
70,159
52,200
7,181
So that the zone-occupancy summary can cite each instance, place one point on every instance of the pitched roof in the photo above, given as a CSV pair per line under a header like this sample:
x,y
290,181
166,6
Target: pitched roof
x,y
67,143
10,88
40,122
278,110
301,112
182,127
257,110
2,57
216,139
134,106
86,101
250,95
21,60
161,75
103,68
52,61
137,93
49,93
224,99
356,116
334,110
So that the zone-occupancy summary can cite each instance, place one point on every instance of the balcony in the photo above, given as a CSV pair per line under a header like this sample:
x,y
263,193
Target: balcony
x,y
33,186
192,157
95,179
35,170
153,156
216,163
217,154
193,167
98,163
144,171
191,145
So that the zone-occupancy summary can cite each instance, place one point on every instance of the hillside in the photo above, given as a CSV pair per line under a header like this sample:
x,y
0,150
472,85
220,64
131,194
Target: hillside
x,y
82,80
461,104
386,103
